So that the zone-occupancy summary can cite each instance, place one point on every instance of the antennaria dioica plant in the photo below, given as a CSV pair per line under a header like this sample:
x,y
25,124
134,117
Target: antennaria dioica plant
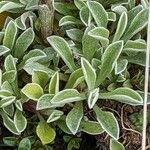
x,y
62,60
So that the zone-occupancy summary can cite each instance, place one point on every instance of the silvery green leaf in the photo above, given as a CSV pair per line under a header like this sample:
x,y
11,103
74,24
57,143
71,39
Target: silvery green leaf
x,y
96,63
9,124
10,63
109,59
30,68
62,125
10,35
111,16
133,12
18,105
10,76
33,91
44,102
91,127
46,133
93,97
63,49
21,20
5,93
131,3
75,34
62,8
85,16
32,5
34,55
23,42
54,84
124,95
10,141
98,12
8,5
67,96
79,3
121,65
89,44
68,20
7,101
24,144
55,115
75,78
3,50
115,145
74,117
89,73
40,77
20,121
108,122
132,47
9,110
122,24
101,34
144,3
139,58
119,9
136,24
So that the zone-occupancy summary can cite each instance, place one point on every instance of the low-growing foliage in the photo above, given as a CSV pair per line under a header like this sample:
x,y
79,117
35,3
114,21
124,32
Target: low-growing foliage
x,y
61,60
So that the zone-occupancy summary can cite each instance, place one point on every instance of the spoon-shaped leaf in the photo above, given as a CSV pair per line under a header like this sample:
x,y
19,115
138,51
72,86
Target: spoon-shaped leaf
x,y
63,49
74,117
115,145
109,60
108,122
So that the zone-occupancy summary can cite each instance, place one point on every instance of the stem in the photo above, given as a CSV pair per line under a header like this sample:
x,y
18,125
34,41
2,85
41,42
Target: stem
x,y
146,85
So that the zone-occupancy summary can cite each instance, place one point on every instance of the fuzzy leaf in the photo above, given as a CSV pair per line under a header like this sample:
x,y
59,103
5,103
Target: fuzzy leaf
x,y
10,35
24,144
120,66
7,101
124,95
75,78
45,133
115,145
55,115
122,24
137,24
34,55
91,127
75,34
89,73
111,16
8,5
85,16
10,63
108,122
93,97
109,59
40,77
30,68
89,44
63,49
79,4
68,20
101,34
32,91
9,124
119,9
74,117
54,84
3,50
23,42
98,12
44,102
67,96
20,121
